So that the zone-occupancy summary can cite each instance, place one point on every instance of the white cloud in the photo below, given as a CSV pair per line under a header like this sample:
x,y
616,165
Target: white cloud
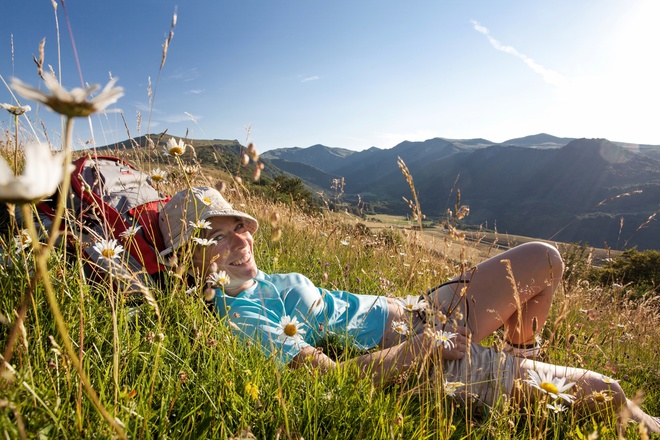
x,y
549,76
195,91
311,78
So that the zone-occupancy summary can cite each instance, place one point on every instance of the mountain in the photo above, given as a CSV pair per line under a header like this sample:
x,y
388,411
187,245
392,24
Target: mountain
x,y
541,140
535,186
593,191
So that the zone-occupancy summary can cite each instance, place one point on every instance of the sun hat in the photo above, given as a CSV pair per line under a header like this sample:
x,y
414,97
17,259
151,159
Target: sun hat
x,y
192,206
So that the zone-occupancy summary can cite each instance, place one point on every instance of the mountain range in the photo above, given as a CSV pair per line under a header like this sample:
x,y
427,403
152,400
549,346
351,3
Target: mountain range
x,y
591,191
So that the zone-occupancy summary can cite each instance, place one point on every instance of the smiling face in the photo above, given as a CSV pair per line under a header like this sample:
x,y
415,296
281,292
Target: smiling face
x,y
232,253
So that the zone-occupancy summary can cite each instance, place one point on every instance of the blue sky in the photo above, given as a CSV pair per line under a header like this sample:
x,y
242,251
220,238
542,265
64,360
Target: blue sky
x,y
350,74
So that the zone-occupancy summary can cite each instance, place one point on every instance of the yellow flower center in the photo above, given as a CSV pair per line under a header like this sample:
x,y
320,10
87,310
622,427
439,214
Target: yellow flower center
x,y
108,253
290,330
409,306
206,201
176,151
549,387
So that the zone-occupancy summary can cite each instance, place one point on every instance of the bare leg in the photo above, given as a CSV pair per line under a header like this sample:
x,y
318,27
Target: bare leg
x,y
591,391
491,300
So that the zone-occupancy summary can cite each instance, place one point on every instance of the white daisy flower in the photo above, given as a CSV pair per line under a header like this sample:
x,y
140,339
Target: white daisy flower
x,y
42,174
158,175
344,243
109,249
412,303
401,327
450,388
553,386
174,148
73,103
218,279
16,110
608,380
204,241
201,224
130,231
556,407
444,338
23,240
290,329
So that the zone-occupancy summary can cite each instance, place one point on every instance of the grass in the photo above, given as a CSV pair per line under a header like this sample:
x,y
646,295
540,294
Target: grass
x,y
182,375
170,368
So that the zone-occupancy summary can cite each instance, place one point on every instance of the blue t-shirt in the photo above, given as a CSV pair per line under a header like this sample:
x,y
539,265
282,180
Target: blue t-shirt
x,y
256,313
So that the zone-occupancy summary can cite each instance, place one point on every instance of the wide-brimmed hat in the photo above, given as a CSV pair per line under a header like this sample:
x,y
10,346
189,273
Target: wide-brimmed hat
x,y
192,206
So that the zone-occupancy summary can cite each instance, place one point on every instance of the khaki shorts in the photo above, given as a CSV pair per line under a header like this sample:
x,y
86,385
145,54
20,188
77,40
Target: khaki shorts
x,y
486,375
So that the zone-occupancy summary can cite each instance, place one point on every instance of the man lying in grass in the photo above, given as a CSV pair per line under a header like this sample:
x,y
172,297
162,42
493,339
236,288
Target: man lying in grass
x,y
287,315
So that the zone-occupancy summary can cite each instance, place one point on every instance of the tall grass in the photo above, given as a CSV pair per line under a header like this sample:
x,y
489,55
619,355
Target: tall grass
x,y
185,376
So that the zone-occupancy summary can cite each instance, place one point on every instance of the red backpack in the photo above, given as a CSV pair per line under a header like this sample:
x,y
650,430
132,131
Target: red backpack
x,y
107,197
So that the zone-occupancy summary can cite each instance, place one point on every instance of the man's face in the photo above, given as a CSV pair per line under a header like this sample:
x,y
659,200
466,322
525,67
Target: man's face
x,y
232,253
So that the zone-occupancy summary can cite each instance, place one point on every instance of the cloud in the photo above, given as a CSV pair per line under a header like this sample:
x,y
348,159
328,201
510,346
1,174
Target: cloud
x,y
311,78
549,76
185,75
195,91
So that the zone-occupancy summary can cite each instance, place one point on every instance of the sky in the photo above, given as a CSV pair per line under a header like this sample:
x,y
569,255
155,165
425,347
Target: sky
x,y
345,73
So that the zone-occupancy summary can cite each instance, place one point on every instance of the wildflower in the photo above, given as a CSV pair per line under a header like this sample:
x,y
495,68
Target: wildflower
x,y
553,386
412,303
158,175
290,328
16,110
252,390
108,249
130,231
556,407
23,240
444,338
608,380
600,397
174,148
218,279
73,103
190,169
400,327
201,224
344,242
204,241
42,173
450,388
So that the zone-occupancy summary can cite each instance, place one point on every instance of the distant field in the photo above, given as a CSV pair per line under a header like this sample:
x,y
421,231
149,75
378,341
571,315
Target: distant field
x,y
476,246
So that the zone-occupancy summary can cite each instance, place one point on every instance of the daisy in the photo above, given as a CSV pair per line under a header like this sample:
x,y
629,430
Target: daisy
x,y
201,224
108,249
218,279
16,110
130,231
23,240
290,329
556,407
553,386
158,175
73,103
42,174
608,380
450,388
204,241
412,303
444,338
190,169
174,148
400,327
